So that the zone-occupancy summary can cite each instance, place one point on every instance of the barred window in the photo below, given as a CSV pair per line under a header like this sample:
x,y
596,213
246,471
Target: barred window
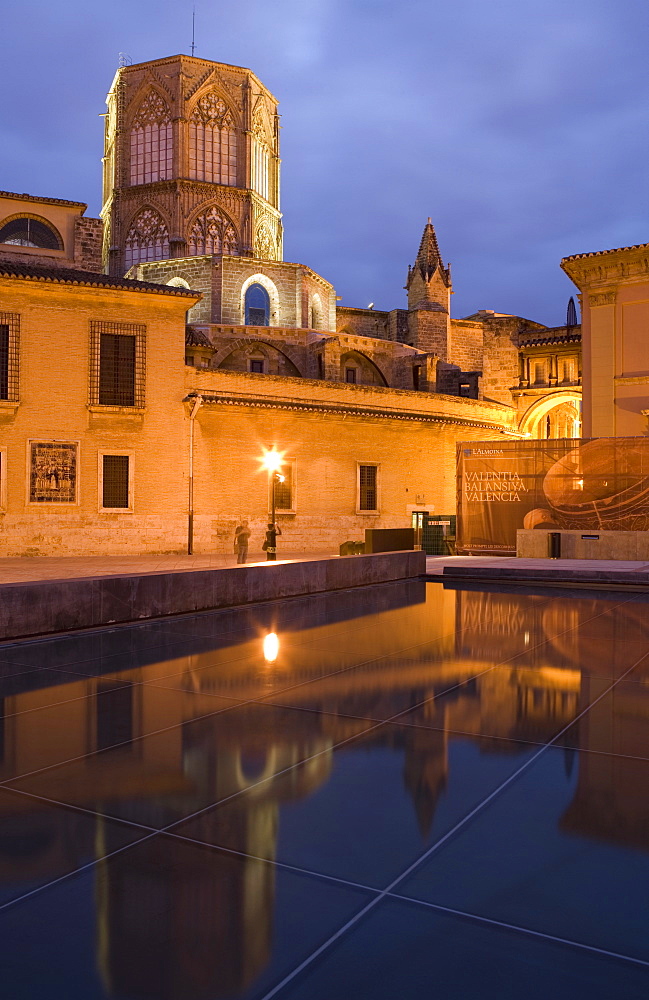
x,y
9,344
284,491
28,232
115,482
367,487
117,364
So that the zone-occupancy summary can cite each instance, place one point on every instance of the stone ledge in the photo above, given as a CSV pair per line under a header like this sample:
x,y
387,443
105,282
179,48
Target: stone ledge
x,y
48,606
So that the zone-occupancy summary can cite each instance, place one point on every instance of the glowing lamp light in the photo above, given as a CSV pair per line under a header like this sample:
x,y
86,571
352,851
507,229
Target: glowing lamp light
x,y
272,460
271,647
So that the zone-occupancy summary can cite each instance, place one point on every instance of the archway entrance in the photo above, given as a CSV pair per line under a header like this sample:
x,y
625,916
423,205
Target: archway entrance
x,y
555,416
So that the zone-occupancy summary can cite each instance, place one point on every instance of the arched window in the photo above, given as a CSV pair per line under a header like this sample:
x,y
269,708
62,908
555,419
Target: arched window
x,y
257,306
212,142
213,233
28,232
151,141
148,239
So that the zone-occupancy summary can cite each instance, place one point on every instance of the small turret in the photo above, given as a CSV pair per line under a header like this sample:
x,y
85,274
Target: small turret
x,y
429,291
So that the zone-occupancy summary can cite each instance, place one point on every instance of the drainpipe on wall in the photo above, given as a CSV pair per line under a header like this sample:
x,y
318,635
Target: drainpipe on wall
x,y
190,522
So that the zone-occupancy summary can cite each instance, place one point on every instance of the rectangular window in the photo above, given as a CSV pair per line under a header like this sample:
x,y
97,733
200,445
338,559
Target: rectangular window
x,y
9,343
416,376
115,482
257,366
284,491
368,487
117,364
350,375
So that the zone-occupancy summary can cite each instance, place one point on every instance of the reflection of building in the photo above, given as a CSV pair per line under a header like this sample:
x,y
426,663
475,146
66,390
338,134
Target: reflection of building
x,y
205,927
366,405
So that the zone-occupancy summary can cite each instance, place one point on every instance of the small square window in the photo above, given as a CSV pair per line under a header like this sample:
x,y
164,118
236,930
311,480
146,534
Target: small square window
x,y
350,375
257,366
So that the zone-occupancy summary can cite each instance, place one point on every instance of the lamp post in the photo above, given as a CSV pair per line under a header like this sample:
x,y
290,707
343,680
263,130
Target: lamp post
x,y
272,461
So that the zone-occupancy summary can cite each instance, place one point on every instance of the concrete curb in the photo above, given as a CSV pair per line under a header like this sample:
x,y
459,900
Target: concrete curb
x,y
46,606
547,577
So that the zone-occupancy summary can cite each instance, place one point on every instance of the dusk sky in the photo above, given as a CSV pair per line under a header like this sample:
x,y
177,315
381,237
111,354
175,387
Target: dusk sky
x,y
519,127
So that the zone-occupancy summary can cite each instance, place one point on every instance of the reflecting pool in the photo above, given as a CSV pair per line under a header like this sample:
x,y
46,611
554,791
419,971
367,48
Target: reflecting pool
x,y
401,791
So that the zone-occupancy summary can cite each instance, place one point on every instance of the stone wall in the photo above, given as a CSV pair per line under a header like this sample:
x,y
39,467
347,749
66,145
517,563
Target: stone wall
x,y
88,236
325,430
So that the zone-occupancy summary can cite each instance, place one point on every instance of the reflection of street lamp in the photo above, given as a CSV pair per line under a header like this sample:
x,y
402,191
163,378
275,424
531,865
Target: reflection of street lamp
x,y
271,647
272,461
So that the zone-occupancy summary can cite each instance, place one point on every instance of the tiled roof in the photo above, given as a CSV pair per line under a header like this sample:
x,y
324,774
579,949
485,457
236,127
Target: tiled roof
x,y
70,276
196,338
34,197
600,253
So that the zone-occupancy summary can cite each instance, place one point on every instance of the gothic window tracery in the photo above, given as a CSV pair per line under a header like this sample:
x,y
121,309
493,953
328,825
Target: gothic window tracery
x,y
213,233
148,239
260,155
151,141
264,245
212,142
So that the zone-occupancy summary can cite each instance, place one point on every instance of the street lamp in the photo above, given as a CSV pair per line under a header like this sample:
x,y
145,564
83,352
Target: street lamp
x,y
272,462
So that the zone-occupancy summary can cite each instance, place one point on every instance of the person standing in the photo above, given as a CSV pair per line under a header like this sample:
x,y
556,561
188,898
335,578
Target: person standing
x,y
241,536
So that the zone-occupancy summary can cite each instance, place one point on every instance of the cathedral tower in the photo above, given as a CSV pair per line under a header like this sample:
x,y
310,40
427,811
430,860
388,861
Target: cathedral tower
x,y
191,164
429,295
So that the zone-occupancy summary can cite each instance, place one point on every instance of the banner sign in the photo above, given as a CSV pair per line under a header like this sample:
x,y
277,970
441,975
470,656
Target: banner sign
x,y
588,483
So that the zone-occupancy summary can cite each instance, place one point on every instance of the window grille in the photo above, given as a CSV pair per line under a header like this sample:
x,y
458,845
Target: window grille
x,y
115,481
117,364
9,348
367,487
27,232
284,491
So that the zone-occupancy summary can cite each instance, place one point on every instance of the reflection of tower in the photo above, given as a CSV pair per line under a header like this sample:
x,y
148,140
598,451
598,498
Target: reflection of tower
x,y
177,921
191,164
426,768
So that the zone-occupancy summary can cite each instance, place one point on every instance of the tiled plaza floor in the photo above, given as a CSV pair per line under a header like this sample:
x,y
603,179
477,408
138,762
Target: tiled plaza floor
x,y
427,792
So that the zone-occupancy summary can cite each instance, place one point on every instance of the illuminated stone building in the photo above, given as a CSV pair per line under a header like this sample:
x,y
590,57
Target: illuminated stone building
x,y
614,286
225,349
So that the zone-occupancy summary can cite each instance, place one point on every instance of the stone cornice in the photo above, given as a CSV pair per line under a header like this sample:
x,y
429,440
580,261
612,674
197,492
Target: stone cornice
x,y
606,267
269,403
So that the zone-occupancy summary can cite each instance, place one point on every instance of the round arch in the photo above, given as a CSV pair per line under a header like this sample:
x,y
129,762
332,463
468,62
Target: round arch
x,y
273,294
530,420
243,342
362,360
11,226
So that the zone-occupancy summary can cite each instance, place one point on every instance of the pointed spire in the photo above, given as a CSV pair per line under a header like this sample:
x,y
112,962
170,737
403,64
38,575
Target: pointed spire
x,y
429,258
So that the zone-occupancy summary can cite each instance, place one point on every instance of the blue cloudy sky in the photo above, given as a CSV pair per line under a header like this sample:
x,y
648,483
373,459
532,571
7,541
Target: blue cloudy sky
x,y
520,127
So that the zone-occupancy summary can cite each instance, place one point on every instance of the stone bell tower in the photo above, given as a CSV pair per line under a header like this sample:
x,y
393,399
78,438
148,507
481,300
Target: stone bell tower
x,y
429,293
191,164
